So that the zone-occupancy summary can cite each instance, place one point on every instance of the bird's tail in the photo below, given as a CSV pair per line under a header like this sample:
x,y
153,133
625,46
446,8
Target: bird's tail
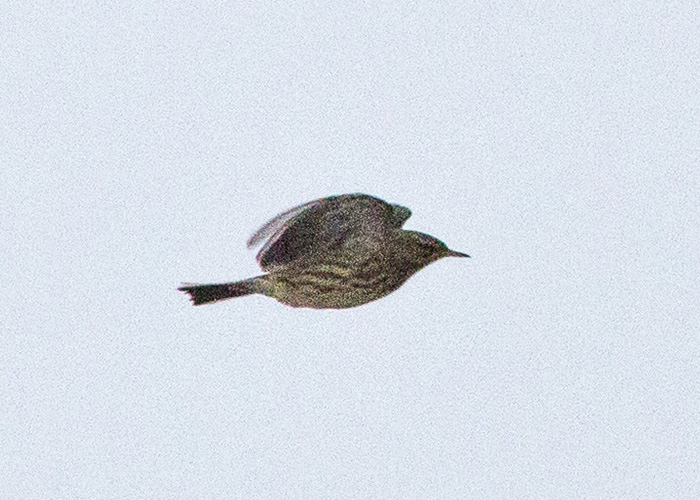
x,y
204,294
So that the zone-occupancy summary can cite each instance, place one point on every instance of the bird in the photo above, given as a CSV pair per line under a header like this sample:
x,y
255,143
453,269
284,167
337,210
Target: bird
x,y
332,253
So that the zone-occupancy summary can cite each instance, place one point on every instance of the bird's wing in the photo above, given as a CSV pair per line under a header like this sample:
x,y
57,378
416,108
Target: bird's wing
x,y
276,225
323,224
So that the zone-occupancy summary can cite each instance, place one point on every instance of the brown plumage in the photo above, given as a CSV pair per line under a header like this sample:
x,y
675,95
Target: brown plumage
x,y
336,252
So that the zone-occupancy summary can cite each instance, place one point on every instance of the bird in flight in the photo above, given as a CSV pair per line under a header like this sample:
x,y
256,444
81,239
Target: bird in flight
x,y
332,253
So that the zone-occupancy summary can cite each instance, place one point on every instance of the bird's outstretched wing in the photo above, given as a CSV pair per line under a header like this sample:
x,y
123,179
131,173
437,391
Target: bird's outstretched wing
x,y
320,225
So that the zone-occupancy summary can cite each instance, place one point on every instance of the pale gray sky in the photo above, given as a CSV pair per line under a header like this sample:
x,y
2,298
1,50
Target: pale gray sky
x,y
142,144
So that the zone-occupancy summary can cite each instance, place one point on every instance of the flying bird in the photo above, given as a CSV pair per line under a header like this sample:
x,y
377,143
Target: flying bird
x,y
332,253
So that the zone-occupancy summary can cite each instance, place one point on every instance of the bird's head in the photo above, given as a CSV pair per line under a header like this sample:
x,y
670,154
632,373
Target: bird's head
x,y
422,249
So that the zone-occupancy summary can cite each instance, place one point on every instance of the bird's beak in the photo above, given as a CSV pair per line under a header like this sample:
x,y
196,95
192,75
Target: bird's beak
x,y
452,253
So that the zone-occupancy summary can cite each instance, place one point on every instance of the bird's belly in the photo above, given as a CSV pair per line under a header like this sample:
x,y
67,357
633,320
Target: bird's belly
x,y
316,298
339,293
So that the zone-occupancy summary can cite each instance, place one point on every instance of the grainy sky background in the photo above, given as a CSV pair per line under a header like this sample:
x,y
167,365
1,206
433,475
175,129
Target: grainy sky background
x,y
142,143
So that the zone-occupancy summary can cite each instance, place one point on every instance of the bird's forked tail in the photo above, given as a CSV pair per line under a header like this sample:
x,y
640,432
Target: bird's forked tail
x,y
204,294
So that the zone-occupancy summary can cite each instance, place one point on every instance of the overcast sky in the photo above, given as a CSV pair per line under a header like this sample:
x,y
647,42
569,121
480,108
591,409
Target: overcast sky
x,y
141,144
